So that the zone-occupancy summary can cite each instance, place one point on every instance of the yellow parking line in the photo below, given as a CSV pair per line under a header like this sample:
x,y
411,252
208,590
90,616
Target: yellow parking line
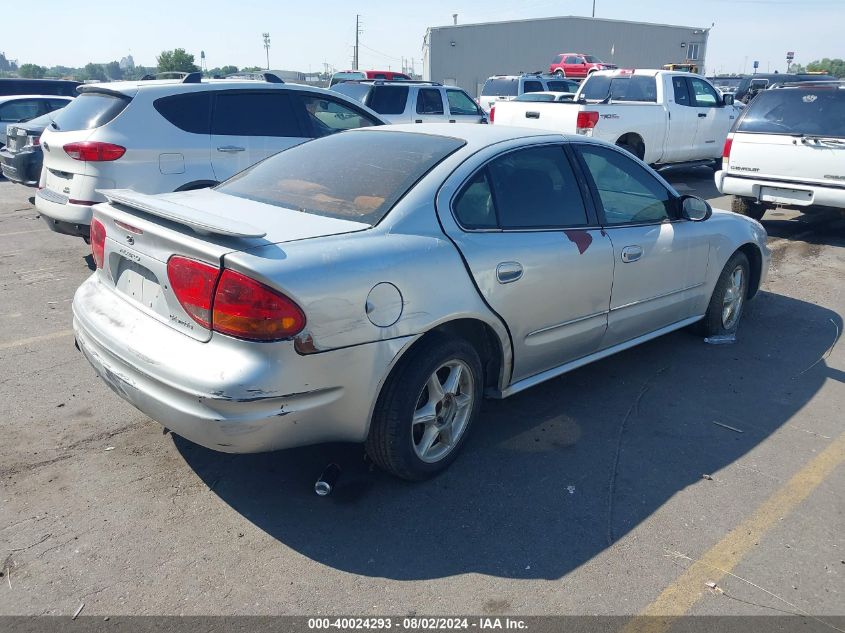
x,y
723,557
35,339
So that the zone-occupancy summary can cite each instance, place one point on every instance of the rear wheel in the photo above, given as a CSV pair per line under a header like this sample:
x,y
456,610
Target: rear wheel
x,y
728,300
426,408
559,73
748,207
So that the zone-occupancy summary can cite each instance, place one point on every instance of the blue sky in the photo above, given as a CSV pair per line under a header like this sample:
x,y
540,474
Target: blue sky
x,y
306,34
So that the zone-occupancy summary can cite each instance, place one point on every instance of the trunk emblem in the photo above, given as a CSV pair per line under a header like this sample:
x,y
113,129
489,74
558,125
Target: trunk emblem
x,y
130,240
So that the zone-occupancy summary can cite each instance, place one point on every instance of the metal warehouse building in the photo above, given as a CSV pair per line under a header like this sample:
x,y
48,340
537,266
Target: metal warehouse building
x,y
465,55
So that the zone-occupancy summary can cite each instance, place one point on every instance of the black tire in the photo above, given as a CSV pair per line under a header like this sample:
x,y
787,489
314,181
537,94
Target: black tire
x,y
716,165
634,151
560,74
713,323
391,440
748,207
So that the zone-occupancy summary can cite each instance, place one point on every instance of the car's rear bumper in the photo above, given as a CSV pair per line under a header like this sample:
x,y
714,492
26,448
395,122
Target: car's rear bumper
x,y
21,167
226,394
61,215
785,192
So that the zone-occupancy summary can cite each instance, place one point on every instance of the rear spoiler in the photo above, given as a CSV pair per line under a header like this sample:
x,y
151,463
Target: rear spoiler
x,y
199,221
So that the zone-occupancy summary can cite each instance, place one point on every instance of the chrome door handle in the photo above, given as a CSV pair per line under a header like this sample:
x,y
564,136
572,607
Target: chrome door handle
x,y
631,253
230,149
508,272
451,120
418,121
702,115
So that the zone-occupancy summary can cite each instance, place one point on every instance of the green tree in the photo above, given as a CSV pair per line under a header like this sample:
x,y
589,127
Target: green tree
x,y
176,60
113,71
835,67
32,71
94,72
253,69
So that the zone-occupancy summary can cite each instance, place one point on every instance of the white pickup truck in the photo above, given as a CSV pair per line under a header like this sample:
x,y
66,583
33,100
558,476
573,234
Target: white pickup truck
x,y
662,117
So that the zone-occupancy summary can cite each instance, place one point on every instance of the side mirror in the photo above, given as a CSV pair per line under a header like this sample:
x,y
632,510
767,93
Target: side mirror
x,y
728,99
695,209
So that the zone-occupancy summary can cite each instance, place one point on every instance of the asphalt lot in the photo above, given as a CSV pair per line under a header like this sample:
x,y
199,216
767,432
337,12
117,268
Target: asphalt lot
x,y
584,495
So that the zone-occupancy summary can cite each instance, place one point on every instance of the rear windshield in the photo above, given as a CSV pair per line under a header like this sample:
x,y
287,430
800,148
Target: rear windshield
x,y
814,112
356,176
388,99
562,86
631,88
88,111
500,88
536,96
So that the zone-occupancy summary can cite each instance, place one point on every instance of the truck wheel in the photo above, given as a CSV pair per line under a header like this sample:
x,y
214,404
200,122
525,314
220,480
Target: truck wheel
x,y
748,207
559,73
426,408
728,300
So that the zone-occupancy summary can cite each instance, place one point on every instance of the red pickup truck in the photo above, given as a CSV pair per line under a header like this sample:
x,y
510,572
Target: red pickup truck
x,y
577,65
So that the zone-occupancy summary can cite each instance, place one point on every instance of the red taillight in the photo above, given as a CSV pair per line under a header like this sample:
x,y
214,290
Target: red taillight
x,y
492,113
232,303
35,141
248,309
726,153
193,284
93,151
586,121
98,242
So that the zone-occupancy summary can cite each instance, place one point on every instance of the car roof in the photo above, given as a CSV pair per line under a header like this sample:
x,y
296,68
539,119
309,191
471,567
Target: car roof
x,y
5,98
173,86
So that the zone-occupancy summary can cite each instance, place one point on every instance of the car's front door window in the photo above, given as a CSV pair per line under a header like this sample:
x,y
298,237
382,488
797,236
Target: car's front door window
x,y
704,94
628,193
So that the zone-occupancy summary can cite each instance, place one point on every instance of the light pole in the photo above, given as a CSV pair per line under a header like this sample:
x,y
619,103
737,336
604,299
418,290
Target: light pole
x,y
266,37
594,8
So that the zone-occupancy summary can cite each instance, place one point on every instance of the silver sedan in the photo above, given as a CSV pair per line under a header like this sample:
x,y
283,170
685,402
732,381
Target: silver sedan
x,y
373,286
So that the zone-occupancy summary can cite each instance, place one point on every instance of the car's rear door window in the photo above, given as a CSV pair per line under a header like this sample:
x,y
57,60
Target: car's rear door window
x,y
429,101
22,110
681,92
817,111
532,86
90,110
356,176
253,113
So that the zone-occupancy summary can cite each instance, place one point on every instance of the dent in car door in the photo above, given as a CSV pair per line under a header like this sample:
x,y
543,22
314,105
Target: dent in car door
x,y
250,125
527,242
660,262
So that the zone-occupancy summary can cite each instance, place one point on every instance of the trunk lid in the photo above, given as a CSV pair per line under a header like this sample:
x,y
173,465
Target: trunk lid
x,y
144,231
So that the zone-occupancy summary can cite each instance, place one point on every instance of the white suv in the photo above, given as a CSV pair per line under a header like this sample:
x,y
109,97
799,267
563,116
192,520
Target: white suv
x,y
414,101
509,87
157,136
788,149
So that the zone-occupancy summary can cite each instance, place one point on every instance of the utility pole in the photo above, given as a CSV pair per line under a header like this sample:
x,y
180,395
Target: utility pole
x,y
357,33
266,37
594,8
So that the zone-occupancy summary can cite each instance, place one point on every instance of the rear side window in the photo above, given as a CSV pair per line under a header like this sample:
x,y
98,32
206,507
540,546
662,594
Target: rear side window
x,y
557,59
814,112
429,101
527,189
22,110
388,99
500,88
357,176
532,86
189,112
632,88
90,110
248,113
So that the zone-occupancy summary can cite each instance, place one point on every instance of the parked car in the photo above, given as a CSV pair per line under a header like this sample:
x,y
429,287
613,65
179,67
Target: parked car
x,y
166,135
577,65
414,101
506,87
20,108
21,158
752,84
57,87
357,75
373,286
659,116
787,149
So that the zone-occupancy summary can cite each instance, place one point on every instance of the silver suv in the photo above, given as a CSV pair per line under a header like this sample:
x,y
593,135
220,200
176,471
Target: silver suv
x,y
414,101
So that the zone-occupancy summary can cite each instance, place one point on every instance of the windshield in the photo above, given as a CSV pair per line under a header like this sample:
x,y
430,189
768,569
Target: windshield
x,y
350,176
799,111
88,111
630,88
500,88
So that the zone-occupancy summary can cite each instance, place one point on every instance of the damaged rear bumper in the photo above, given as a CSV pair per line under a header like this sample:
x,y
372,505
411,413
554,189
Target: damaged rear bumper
x,y
226,394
